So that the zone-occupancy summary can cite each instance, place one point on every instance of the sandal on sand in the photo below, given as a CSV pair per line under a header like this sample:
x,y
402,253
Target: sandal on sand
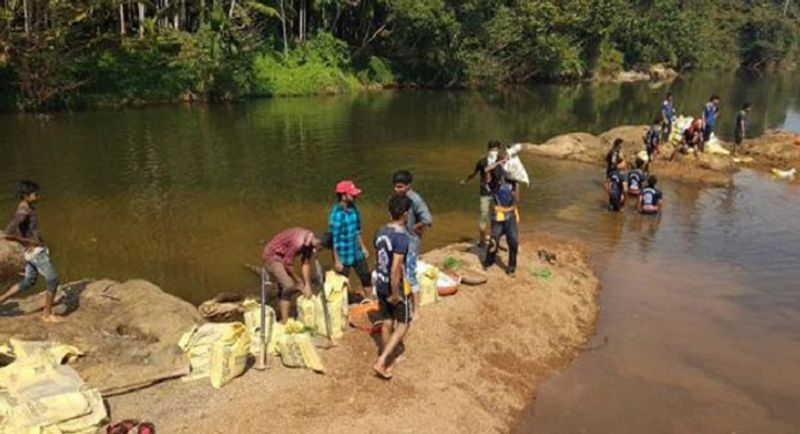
x,y
146,428
123,427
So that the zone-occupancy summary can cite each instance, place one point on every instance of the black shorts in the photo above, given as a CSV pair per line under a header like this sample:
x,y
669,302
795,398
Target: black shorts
x,y
362,270
402,312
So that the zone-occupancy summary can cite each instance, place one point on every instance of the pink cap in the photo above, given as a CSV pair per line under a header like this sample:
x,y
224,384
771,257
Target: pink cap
x,y
347,187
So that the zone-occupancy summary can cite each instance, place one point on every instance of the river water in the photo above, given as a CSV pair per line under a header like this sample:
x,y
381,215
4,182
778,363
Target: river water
x,y
699,312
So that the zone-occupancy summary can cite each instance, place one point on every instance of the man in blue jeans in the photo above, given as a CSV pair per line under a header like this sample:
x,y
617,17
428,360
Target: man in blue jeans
x,y
419,219
710,114
24,229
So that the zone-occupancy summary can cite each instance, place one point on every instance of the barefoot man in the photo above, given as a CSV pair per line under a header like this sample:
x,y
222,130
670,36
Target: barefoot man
x,y
396,309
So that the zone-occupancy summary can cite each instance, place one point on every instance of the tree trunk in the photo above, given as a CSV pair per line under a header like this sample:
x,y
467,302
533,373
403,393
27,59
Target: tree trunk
x,y
283,25
141,20
302,20
183,14
786,8
202,11
230,11
121,18
27,16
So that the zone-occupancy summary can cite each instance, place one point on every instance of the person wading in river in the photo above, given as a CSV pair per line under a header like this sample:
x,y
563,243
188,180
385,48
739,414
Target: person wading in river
x,y
742,123
614,160
279,255
24,229
349,250
488,175
396,310
651,201
652,140
419,219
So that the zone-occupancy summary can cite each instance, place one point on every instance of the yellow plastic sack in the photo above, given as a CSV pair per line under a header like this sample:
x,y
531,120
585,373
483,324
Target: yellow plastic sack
x,y
200,342
297,351
427,275
38,395
229,355
338,307
56,352
252,320
308,309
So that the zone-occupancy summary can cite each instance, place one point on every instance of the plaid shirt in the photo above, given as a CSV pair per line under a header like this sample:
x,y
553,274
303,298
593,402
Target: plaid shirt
x,y
345,227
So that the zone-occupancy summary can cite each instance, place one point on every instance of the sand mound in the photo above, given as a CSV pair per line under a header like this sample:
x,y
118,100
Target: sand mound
x,y
129,331
632,136
777,146
472,362
582,147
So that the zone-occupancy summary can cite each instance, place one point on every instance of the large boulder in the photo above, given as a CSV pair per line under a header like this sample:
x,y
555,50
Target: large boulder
x,y
129,331
583,147
11,260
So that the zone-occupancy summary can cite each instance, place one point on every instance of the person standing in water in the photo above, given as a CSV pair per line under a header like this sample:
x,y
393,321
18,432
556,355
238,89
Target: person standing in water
x,y
615,187
636,178
487,172
24,229
652,140
396,310
419,219
742,123
651,201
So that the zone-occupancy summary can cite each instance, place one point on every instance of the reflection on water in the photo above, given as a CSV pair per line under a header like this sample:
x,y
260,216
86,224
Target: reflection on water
x,y
701,311
700,306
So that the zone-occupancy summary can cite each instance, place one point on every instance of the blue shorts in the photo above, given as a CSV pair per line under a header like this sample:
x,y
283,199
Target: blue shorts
x,y
38,264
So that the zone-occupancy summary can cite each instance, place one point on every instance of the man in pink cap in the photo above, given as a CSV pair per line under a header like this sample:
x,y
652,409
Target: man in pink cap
x,y
349,250
279,256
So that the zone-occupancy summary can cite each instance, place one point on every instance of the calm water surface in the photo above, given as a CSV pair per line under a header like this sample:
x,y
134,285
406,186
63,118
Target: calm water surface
x,y
700,308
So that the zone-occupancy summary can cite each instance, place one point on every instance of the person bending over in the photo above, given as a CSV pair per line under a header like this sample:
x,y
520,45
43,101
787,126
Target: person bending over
x,y
279,256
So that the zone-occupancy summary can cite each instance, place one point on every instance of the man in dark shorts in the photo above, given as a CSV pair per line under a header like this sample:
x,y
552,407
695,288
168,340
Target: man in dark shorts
x,y
396,308
667,115
279,255
710,115
742,123
487,173
651,201
349,250
24,229
615,186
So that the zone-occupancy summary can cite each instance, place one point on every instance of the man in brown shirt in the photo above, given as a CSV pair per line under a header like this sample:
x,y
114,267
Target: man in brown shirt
x,y
24,229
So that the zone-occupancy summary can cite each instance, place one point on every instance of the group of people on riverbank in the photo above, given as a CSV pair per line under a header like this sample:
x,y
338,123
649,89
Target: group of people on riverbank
x,y
639,182
396,245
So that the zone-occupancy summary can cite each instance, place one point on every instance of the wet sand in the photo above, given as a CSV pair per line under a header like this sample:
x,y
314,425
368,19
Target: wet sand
x,y
472,362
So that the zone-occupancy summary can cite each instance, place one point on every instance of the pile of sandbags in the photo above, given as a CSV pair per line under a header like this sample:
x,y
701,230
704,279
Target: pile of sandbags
x,y
326,313
40,395
218,351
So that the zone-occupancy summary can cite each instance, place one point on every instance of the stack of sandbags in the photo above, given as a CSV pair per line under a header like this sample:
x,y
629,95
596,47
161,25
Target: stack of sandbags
x,y
217,351
38,394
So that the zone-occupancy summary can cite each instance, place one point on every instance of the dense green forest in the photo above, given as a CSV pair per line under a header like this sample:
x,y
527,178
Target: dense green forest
x,y
73,53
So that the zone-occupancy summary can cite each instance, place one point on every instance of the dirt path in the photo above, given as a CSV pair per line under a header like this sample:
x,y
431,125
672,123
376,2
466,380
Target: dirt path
x,y
472,363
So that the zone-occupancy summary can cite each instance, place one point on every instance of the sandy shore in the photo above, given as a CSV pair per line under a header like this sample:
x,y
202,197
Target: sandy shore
x,y
773,149
473,362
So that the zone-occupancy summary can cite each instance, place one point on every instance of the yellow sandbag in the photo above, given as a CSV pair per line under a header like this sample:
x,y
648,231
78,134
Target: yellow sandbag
x,y
229,355
58,353
39,395
336,293
297,351
197,345
252,320
427,275
308,309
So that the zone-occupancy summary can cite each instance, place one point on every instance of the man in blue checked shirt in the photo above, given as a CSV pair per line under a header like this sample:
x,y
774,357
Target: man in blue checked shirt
x,y
349,250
